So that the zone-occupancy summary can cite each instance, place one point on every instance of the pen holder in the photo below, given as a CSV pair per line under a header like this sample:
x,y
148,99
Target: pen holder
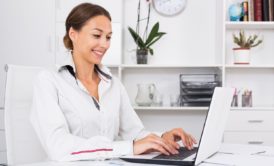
x,y
247,100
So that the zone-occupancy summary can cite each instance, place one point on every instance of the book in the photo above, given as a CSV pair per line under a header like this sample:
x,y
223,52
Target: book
x,y
251,10
245,10
258,10
265,10
271,8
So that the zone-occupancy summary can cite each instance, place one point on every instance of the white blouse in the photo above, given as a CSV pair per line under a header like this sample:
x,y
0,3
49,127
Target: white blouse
x,y
73,125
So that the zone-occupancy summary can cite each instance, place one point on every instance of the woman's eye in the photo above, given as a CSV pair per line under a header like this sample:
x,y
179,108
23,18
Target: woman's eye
x,y
96,36
108,37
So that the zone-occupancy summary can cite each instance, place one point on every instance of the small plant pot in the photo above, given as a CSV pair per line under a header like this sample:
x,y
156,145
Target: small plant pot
x,y
141,56
241,55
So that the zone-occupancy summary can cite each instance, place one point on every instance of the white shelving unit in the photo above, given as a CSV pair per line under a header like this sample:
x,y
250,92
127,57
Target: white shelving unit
x,y
249,67
250,125
252,108
169,66
249,25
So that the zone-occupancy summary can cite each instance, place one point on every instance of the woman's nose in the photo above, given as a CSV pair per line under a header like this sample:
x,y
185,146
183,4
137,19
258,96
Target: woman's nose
x,y
104,43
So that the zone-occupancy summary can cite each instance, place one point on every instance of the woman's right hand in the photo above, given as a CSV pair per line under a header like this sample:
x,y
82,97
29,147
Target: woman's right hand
x,y
152,143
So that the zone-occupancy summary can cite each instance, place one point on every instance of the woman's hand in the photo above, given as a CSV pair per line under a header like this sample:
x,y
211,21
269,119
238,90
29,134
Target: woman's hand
x,y
177,134
152,143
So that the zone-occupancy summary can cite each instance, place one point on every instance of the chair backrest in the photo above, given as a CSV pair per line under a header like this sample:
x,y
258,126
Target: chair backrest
x,y
22,142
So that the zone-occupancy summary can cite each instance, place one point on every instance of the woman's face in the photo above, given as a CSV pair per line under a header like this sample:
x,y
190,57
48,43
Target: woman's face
x,y
92,41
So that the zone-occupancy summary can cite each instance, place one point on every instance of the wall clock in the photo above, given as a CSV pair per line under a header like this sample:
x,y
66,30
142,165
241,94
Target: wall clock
x,y
169,7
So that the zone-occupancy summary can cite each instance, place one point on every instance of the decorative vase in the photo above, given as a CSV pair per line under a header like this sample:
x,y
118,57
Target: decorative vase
x,y
241,55
141,55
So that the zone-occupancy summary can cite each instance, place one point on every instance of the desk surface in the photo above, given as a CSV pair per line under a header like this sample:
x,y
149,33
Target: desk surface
x,y
229,155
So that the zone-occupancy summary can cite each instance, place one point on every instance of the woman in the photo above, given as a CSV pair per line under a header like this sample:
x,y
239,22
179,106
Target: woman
x,y
80,110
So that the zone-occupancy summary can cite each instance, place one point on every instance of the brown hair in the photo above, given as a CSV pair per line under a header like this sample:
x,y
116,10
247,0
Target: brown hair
x,y
78,16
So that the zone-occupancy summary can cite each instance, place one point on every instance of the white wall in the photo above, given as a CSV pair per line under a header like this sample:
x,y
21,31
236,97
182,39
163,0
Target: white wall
x,y
190,35
27,35
191,39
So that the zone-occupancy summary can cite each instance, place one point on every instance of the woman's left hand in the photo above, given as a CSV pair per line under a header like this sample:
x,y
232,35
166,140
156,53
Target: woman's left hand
x,y
177,134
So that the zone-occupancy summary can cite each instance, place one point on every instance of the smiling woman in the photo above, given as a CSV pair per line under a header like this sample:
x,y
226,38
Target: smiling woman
x,y
80,110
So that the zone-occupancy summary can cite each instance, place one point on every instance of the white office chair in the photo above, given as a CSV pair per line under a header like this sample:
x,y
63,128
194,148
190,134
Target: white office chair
x,y
23,145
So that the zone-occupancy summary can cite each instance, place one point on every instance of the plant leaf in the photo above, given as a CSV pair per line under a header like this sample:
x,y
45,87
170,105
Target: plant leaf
x,y
236,40
246,42
152,33
156,39
259,42
151,51
138,40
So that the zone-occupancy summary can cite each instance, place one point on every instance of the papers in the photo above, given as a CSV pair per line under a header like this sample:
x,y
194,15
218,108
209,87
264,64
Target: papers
x,y
242,155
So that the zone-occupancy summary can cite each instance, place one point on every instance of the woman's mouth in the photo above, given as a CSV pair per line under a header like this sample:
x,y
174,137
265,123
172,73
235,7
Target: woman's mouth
x,y
98,53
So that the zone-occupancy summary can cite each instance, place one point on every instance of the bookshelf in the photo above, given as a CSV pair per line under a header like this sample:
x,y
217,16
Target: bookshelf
x,y
249,125
250,25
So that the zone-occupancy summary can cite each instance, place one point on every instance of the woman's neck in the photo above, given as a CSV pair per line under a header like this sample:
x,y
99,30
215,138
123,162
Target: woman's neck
x,y
84,71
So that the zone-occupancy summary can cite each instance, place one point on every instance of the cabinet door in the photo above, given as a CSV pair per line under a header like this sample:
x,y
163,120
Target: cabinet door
x,y
252,138
2,141
27,35
3,157
1,119
63,7
250,121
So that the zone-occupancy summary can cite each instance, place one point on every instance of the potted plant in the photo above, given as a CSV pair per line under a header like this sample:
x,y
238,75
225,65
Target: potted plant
x,y
242,53
145,42
144,45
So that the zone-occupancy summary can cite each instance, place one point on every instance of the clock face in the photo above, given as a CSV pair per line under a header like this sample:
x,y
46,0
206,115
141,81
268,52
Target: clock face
x,y
169,7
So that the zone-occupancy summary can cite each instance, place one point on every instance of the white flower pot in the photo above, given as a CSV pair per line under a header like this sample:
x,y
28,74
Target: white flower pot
x,y
241,55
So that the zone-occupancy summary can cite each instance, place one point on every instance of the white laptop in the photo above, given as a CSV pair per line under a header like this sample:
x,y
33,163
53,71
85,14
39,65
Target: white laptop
x,y
211,136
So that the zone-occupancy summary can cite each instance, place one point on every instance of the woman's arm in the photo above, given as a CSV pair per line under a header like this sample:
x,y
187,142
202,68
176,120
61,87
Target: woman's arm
x,y
132,128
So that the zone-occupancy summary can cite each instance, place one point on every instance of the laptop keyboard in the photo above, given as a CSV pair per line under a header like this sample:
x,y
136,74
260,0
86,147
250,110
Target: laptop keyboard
x,y
183,153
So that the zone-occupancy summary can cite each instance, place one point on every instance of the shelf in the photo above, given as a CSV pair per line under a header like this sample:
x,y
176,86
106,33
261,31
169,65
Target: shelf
x,y
171,108
250,25
201,66
169,66
252,108
112,66
249,66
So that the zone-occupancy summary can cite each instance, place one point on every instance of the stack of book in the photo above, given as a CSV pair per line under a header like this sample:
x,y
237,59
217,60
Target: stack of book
x,y
257,10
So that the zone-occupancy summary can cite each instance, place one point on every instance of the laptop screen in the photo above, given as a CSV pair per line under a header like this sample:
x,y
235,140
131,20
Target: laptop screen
x,y
211,136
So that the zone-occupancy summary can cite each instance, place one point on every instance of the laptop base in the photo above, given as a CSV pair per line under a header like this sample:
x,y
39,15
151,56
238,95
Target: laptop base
x,y
161,162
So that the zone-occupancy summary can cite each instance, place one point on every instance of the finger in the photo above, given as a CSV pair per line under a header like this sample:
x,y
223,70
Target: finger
x,y
175,145
160,148
165,144
193,139
190,142
182,137
187,141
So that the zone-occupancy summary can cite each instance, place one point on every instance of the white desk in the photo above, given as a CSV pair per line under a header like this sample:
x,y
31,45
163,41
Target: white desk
x,y
229,155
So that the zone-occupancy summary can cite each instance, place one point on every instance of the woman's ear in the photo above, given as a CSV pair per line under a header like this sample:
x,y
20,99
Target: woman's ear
x,y
72,34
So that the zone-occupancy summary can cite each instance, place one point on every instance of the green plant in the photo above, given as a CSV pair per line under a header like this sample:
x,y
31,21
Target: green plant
x,y
146,43
246,42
